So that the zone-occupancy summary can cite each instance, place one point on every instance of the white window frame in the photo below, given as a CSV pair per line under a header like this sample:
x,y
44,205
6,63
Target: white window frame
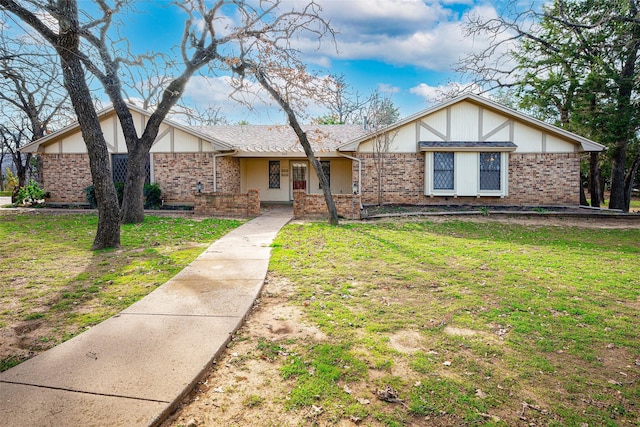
x,y
504,175
429,175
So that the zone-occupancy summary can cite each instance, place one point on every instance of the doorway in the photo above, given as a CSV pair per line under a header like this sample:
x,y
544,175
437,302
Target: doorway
x,y
299,176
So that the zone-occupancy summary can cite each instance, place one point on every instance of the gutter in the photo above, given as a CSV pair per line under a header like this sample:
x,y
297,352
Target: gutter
x,y
215,158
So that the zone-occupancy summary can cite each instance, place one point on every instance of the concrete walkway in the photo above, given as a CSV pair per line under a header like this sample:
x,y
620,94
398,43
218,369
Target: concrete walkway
x,y
134,368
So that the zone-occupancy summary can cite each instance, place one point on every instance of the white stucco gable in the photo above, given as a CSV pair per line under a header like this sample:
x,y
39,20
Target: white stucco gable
x,y
473,119
172,137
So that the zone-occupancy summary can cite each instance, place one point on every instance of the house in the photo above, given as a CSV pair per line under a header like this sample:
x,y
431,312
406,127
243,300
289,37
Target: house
x,y
468,150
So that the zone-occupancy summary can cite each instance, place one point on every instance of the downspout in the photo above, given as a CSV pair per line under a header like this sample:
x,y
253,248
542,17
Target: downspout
x,y
359,174
215,158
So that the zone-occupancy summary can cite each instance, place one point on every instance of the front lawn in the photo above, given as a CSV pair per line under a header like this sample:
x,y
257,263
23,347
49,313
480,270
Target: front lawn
x,y
462,323
53,286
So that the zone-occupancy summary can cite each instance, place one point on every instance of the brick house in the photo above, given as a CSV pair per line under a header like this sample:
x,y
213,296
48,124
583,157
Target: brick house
x,y
468,150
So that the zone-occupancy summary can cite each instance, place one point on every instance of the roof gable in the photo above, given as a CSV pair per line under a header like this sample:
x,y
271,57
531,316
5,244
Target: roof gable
x,y
106,113
584,144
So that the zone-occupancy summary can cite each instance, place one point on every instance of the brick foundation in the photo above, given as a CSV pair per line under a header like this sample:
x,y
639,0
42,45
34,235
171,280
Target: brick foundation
x,y
314,205
227,204
534,180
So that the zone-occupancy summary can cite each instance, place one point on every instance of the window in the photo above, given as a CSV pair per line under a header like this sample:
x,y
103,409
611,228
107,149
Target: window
x,y
466,173
274,174
443,171
490,171
326,170
119,163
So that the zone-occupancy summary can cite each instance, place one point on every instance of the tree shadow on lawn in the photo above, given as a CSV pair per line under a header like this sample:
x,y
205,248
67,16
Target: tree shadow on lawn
x,y
53,286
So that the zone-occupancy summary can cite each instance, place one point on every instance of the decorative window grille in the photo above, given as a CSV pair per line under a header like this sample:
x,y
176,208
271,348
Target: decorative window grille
x,y
274,174
326,169
119,163
490,171
443,167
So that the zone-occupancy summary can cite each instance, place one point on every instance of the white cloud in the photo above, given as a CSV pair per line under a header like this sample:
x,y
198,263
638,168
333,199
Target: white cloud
x,y
388,89
252,103
398,32
432,94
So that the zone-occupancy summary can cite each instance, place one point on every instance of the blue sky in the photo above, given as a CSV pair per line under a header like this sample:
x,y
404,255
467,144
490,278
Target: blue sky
x,y
404,48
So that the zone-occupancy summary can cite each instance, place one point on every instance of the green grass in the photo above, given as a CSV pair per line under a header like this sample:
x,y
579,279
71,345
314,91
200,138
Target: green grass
x,y
52,282
550,316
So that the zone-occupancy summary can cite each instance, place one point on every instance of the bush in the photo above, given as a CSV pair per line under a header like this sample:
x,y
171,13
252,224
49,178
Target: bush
x,y
11,181
90,196
151,192
152,196
30,194
119,192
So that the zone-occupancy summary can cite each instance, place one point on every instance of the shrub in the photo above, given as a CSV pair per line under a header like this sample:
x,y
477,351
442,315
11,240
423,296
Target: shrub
x,y
11,181
30,194
152,196
90,196
119,192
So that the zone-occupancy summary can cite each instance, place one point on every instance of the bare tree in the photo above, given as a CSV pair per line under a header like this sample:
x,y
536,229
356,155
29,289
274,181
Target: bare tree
x,y
269,85
276,66
377,116
87,45
144,87
344,103
31,98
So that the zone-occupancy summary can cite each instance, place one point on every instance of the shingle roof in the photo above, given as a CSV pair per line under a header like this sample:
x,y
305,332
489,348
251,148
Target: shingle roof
x,y
281,138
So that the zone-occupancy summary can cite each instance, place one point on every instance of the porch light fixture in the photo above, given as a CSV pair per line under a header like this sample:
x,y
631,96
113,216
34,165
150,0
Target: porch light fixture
x,y
355,188
199,187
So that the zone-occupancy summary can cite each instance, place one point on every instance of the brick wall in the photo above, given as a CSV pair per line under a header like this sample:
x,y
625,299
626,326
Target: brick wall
x,y
544,179
402,179
314,205
64,177
228,174
177,174
227,204
534,180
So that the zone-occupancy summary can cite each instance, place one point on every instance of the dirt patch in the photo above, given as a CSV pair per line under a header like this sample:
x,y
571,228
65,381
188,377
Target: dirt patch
x,y
406,341
244,385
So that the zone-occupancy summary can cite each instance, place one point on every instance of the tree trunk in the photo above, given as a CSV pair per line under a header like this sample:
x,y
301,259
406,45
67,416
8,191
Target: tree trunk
x,y
617,198
594,180
21,168
379,166
108,234
304,141
132,210
583,196
623,126
630,179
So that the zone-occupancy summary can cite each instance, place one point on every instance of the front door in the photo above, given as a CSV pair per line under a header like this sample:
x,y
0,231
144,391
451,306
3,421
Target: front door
x,y
299,172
